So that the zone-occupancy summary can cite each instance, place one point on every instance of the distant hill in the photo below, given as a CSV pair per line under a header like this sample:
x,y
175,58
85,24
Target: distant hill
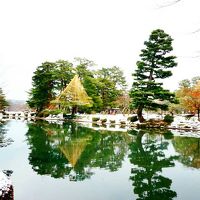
x,y
17,105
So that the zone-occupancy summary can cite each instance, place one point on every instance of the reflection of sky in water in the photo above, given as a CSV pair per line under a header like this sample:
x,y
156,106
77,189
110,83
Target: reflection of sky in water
x,y
185,181
103,185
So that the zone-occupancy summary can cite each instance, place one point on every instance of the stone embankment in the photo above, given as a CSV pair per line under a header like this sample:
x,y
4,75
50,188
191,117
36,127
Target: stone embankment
x,y
184,123
181,122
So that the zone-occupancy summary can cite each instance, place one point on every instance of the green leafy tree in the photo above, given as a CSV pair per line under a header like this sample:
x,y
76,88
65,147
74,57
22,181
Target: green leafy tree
x,y
147,92
83,67
43,90
108,93
115,75
3,101
104,86
93,88
63,73
112,85
51,78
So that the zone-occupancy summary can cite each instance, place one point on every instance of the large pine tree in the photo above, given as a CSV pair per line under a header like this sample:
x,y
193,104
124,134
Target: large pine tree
x,y
147,92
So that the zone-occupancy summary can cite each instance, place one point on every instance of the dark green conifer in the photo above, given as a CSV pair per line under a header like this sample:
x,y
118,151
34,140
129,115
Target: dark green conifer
x,y
147,92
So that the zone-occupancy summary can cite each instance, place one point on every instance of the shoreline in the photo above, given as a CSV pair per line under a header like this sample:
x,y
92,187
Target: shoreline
x,y
179,123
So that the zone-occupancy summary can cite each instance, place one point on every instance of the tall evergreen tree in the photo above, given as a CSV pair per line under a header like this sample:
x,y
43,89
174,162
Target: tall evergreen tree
x,y
42,91
147,92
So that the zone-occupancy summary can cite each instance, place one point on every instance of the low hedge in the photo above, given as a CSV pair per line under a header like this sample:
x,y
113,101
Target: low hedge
x,y
103,120
168,119
133,118
95,119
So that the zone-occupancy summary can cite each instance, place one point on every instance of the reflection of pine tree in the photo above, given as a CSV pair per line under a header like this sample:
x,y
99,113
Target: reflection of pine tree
x,y
149,159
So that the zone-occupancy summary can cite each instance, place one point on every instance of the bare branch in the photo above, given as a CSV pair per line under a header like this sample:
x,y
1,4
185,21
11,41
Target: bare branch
x,y
196,56
196,31
190,57
169,4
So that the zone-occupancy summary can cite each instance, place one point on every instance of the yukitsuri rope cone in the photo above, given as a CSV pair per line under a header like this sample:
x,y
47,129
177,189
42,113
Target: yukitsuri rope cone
x,y
73,95
73,150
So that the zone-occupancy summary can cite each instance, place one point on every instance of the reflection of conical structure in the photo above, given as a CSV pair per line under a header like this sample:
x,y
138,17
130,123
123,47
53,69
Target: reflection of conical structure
x,y
73,94
73,150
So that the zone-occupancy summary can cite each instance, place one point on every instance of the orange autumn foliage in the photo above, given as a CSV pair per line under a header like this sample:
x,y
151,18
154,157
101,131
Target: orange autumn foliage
x,y
190,98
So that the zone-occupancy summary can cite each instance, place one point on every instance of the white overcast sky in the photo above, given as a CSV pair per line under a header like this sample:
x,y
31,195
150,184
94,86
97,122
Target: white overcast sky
x,y
109,32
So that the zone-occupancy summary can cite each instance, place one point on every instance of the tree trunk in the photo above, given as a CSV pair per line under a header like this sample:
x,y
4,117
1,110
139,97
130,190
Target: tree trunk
x,y
198,114
139,114
139,142
74,110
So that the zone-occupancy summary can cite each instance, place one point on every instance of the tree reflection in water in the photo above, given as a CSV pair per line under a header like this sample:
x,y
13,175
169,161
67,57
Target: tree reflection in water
x,y
189,150
72,150
6,190
3,140
149,159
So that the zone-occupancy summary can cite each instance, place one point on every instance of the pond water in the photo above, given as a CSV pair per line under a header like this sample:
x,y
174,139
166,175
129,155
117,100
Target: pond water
x,y
70,161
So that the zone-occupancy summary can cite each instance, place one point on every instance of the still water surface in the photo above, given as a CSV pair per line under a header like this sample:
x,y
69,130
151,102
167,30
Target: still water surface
x,y
69,161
